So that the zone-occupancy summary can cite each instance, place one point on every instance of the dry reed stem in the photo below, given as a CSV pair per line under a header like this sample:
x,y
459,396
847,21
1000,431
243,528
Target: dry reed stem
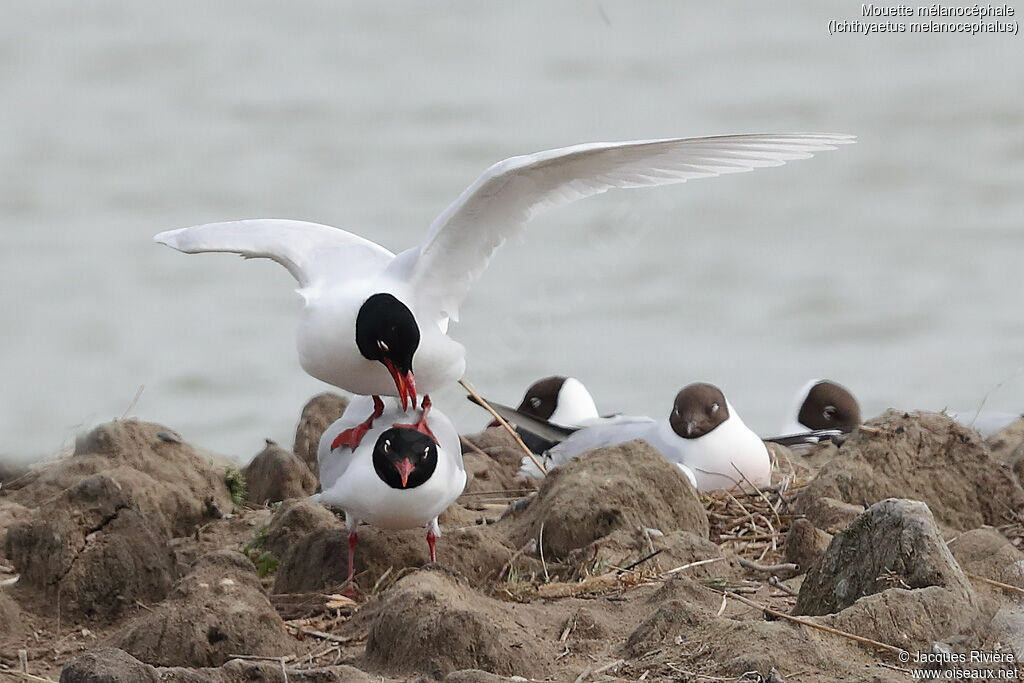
x,y
810,624
997,584
506,425
472,446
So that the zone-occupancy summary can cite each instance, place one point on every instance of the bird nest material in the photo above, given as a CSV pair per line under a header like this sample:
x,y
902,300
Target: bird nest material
x,y
751,524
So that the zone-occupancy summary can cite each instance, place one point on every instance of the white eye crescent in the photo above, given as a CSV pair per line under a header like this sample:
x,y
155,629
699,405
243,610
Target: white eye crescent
x,y
387,445
382,346
714,408
426,451
535,402
829,412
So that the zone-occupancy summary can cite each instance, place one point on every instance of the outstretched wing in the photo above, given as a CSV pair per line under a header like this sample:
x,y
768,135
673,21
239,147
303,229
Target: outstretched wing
x,y
462,239
311,252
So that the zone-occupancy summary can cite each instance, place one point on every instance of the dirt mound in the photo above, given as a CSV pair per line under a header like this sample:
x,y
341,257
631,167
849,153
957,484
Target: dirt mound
x,y
107,665
919,456
12,470
805,544
499,445
1007,447
828,514
317,415
94,549
275,475
620,487
685,632
218,609
433,623
111,665
987,553
292,520
486,474
10,512
319,559
889,576
624,547
10,616
173,486
1008,442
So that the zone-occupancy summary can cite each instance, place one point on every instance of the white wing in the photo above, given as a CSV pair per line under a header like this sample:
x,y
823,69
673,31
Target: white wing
x,y
311,252
462,239
334,463
596,433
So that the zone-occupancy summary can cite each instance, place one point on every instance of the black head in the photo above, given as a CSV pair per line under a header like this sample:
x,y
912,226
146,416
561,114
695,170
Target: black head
x,y
829,406
542,397
386,331
698,409
404,458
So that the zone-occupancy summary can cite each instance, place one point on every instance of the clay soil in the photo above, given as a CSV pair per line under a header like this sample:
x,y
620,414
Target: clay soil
x,y
138,558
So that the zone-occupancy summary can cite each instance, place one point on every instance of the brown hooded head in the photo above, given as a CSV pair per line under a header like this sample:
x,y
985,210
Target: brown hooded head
x,y
698,409
829,406
542,397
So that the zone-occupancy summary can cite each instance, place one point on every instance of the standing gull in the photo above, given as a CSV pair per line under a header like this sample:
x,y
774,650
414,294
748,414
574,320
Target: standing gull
x,y
399,477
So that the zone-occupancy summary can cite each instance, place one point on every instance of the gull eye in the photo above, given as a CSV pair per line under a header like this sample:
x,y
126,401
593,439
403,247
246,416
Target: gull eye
x,y
426,451
714,408
535,402
382,346
829,412
675,411
387,445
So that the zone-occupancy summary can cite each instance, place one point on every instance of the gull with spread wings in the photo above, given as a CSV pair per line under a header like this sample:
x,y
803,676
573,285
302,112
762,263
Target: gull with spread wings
x,y
371,315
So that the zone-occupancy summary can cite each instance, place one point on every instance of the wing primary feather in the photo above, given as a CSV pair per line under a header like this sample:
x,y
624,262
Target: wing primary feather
x,y
536,426
463,238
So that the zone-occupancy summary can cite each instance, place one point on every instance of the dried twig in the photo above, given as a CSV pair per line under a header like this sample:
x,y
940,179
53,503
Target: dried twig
x,y
759,493
504,424
997,584
320,634
134,401
529,547
769,568
262,658
777,583
381,580
540,547
693,564
811,624
472,446
642,560
24,675
600,670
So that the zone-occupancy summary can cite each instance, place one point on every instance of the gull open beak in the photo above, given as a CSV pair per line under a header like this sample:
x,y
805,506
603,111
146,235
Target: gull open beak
x,y
404,469
404,382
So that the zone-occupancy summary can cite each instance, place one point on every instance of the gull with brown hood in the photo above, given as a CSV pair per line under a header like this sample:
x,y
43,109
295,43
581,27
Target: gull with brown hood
x,y
703,435
822,404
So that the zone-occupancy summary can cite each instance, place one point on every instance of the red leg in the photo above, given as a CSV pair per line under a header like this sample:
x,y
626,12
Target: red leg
x,y
421,424
352,539
352,437
431,539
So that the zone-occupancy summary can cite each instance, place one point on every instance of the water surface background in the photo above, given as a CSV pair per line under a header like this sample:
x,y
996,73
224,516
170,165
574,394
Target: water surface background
x,y
894,266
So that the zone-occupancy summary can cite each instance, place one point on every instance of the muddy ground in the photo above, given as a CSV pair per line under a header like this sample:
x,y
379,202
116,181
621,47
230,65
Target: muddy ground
x,y
141,557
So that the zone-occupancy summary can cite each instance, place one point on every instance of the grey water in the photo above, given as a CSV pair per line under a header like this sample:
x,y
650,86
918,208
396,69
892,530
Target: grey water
x,y
893,266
